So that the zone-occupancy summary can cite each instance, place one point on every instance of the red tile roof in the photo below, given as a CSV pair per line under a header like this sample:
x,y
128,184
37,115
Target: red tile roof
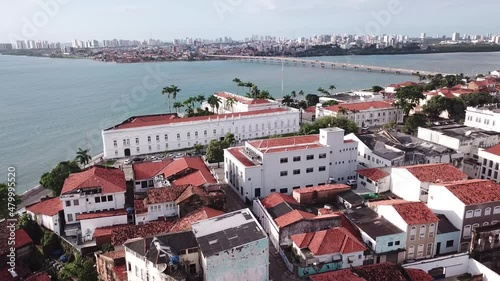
x,y
140,206
418,274
110,180
41,276
115,254
107,230
374,174
288,141
202,213
102,214
339,275
22,238
475,191
122,234
48,207
494,150
386,202
164,195
141,121
197,172
147,170
292,217
330,241
361,106
276,198
242,99
310,109
339,187
236,153
440,172
404,84
415,213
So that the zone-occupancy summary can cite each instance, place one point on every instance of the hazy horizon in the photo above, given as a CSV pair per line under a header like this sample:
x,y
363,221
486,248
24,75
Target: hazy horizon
x,y
65,20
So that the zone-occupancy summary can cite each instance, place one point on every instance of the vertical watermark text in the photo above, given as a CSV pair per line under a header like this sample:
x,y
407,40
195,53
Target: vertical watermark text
x,y
11,220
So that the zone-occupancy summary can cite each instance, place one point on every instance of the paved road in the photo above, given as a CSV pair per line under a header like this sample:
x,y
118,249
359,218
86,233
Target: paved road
x,y
277,267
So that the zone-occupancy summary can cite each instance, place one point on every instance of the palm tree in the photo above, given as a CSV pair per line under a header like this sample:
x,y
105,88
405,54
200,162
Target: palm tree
x,y
214,102
83,157
174,90
178,105
167,91
254,91
323,91
287,100
200,98
301,94
331,88
293,95
238,84
171,90
230,103
343,111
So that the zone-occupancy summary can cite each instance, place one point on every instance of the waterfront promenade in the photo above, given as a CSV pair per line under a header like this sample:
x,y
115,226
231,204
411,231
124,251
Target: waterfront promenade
x,y
327,64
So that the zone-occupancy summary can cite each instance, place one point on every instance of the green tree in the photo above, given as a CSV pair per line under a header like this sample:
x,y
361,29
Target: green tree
x,y
407,98
287,100
198,147
171,92
312,100
8,200
200,99
31,227
343,111
390,126
83,157
228,140
331,88
413,122
230,102
456,109
377,89
54,180
435,106
215,152
477,99
238,84
107,247
87,272
329,122
177,106
214,102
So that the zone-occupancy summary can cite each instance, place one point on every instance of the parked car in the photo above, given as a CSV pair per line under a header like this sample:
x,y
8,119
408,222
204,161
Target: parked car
x,y
128,161
351,182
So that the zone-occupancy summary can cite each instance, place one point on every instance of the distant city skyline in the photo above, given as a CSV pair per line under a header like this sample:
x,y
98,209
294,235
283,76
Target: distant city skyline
x,y
65,20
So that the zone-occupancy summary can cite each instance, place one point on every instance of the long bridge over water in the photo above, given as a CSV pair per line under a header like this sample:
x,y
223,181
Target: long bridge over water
x,y
327,64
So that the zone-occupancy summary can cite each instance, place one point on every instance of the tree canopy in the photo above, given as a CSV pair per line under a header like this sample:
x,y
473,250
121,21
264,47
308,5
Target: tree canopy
x,y
312,100
329,122
407,98
435,106
377,89
54,180
4,201
215,149
413,122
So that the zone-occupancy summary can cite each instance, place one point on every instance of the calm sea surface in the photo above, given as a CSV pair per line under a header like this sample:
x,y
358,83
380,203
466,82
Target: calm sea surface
x,y
50,107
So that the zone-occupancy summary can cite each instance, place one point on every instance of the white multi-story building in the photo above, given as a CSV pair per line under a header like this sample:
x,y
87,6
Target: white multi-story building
x,y
163,257
489,163
159,203
233,246
262,167
47,213
93,198
158,133
486,118
239,103
364,114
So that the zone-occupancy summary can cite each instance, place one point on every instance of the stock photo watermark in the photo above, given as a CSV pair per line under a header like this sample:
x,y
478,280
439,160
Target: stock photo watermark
x,y
12,218
31,26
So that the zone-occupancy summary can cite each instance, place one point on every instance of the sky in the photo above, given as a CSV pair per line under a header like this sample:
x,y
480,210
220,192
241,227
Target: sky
x,y
64,20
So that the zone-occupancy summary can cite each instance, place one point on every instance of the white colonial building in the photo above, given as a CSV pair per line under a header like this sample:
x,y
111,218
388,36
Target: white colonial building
x,y
93,198
233,246
489,163
365,114
262,167
486,118
47,213
159,133
239,103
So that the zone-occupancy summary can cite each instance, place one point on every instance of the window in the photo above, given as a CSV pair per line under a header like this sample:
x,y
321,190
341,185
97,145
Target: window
x,y
196,134
284,190
70,217
110,198
390,244
157,138
296,172
98,199
494,222
469,214
397,243
149,139
296,159
420,251
411,252
423,228
474,226
68,203
205,133
413,233
257,192
485,224
467,231
296,187
477,213
76,202
188,135
431,230
309,170
496,210
115,143
487,211
428,253
137,149
103,199
129,266
273,190
322,168
284,160
449,243
178,136
149,147
310,157
322,156
284,173
215,132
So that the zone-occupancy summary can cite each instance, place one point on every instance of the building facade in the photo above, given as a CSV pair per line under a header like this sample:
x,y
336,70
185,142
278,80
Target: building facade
x,y
486,118
489,163
364,114
159,133
262,167
48,213
231,103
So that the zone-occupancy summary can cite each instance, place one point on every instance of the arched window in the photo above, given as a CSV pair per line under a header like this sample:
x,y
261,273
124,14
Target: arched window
x,y
411,252
196,134
467,231
413,233
215,132
188,135
431,230
423,228
178,136
469,214
205,133
477,213
487,211
496,210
